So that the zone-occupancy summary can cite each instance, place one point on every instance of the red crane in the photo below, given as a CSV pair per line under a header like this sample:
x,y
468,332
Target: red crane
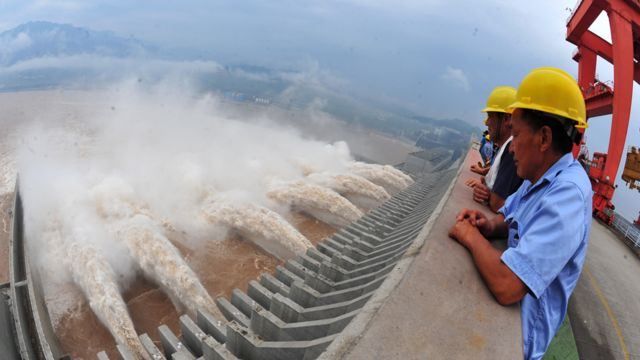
x,y
601,99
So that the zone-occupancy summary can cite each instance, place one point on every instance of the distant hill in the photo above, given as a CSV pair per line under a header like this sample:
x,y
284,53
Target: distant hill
x,y
46,39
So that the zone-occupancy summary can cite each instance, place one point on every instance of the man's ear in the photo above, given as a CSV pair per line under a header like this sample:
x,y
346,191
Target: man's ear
x,y
507,120
546,138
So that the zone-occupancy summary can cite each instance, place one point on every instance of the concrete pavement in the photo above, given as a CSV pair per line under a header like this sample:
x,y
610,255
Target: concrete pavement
x,y
605,306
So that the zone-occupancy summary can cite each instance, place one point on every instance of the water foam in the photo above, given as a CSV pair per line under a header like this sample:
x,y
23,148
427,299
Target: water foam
x,y
379,175
262,226
407,179
322,203
154,253
95,277
360,191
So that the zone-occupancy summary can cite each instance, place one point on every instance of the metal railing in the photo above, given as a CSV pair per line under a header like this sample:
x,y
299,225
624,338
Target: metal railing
x,y
627,229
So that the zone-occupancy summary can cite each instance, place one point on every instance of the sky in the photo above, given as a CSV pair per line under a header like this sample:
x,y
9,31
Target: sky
x,y
436,58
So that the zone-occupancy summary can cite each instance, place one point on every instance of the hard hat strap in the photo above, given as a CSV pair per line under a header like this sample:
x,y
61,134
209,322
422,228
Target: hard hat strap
x,y
569,128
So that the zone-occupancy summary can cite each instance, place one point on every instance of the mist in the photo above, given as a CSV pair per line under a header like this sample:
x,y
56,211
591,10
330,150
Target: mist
x,y
169,149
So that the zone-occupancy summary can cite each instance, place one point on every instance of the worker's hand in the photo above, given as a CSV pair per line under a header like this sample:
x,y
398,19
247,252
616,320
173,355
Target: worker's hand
x,y
481,193
464,232
477,219
472,182
477,168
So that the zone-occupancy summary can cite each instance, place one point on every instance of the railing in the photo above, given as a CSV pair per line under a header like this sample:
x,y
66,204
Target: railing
x,y
627,229
32,326
598,88
573,10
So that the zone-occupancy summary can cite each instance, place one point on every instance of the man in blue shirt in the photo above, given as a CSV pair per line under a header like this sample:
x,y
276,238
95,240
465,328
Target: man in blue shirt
x,y
486,148
547,220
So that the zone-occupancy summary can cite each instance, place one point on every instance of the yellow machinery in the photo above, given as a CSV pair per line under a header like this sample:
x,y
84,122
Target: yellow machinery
x,y
631,172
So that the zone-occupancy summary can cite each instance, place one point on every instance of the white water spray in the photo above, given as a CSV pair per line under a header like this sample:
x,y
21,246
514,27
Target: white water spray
x,y
154,253
97,280
360,191
95,277
407,179
265,228
324,204
378,175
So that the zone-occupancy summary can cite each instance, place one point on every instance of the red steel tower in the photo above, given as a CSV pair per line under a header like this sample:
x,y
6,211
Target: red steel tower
x,y
623,52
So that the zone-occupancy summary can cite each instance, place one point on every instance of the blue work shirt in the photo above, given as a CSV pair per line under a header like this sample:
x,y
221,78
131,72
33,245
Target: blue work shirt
x,y
486,151
549,224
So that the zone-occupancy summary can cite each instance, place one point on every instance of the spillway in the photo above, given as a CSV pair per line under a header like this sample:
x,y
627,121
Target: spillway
x,y
295,312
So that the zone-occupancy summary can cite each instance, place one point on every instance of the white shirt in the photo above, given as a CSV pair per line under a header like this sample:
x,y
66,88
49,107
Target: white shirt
x,y
490,178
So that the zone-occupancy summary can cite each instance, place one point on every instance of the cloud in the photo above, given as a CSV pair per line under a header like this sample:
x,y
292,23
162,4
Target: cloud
x,y
263,77
457,78
421,6
121,65
313,75
10,45
66,5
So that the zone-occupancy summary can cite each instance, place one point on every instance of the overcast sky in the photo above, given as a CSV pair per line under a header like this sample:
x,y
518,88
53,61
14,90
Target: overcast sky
x,y
438,58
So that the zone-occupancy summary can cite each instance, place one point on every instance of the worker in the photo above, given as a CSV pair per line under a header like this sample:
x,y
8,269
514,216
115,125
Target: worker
x,y
547,221
501,179
483,168
583,155
486,149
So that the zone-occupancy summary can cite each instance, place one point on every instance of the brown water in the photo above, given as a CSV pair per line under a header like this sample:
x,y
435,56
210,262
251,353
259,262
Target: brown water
x,y
221,265
315,230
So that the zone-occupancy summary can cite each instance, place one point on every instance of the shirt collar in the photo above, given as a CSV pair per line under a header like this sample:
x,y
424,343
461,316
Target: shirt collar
x,y
506,143
553,171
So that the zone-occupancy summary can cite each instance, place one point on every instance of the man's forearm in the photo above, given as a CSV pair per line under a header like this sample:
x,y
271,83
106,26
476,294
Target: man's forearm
x,y
500,280
495,202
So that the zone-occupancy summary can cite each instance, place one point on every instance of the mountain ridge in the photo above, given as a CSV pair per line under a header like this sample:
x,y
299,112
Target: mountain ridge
x,y
36,39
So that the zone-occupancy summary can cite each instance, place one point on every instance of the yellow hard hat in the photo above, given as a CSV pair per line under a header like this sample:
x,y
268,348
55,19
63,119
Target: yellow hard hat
x,y
552,91
488,137
500,99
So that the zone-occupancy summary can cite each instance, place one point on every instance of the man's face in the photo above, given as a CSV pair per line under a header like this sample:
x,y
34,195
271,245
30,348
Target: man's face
x,y
493,121
506,124
525,147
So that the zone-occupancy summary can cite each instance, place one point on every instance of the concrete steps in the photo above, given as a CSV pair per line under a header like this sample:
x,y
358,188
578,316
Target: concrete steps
x,y
299,310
